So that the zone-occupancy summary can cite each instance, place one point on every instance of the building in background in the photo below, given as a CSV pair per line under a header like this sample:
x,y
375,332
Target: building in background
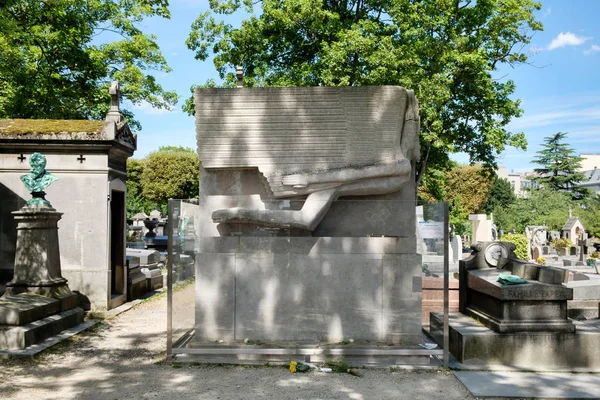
x,y
520,182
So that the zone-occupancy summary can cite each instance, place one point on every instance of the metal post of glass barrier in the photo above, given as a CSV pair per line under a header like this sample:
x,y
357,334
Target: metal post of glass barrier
x,y
170,281
446,287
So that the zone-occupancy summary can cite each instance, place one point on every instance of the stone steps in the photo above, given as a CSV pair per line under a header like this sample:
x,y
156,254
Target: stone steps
x,y
20,337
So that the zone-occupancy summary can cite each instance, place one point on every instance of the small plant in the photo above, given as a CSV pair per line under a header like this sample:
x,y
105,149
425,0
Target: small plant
x,y
520,241
594,256
338,366
541,261
562,242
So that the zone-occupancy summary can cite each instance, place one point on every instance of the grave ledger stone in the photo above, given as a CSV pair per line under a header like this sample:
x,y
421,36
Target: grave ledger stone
x,y
525,324
307,222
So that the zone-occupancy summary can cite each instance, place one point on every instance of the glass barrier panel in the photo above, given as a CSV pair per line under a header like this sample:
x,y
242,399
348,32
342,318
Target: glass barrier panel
x,y
266,281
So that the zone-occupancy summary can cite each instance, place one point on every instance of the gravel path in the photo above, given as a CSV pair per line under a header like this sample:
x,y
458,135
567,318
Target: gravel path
x,y
123,359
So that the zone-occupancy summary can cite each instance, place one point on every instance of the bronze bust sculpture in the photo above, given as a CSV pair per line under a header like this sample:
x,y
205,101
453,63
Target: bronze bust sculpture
x,y
37,179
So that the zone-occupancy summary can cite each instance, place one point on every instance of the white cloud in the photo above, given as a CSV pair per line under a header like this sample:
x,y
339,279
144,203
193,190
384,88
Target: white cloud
x,y
556,117
547,12
535,50
146,108
595,48
567,39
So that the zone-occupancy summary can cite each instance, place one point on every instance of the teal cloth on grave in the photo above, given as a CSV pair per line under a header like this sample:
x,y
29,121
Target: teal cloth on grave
x,y
510,279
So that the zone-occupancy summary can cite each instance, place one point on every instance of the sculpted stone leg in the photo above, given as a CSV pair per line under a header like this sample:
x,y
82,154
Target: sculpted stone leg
x,y
312,212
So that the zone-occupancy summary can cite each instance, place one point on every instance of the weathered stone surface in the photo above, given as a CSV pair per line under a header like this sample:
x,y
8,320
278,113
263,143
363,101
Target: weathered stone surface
x,y
137,285
433,296
270,270
24,308
316,296
368,157
473,343
535,306
145,257
37,260
20,337
550,275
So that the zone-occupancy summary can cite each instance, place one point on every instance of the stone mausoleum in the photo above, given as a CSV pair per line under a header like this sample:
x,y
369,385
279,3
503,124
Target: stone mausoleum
x,y
89,158
306,223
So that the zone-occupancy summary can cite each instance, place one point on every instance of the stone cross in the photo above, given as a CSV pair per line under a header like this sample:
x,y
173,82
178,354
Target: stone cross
x,y
239,73
114,114
114,96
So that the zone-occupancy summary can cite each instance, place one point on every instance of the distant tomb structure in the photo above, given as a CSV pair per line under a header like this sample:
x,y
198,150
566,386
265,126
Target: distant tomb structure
x,y
89,158
37,303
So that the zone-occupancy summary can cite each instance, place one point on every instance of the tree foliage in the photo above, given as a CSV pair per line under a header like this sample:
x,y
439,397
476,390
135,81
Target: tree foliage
x,y
501,194
542,207
471,185
136,202
446,50
559,166
589,214
170,173
520,241
55,64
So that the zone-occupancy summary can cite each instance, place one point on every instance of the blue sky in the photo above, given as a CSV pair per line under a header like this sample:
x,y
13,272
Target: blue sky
x,y
560,90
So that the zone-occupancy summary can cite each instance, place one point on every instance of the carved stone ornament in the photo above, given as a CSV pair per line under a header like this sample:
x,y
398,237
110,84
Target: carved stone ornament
x,y
494,252
124,134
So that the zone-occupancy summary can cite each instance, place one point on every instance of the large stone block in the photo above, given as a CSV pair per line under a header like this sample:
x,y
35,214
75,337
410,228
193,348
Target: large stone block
x,y
474,344
20,337
24,308
277,294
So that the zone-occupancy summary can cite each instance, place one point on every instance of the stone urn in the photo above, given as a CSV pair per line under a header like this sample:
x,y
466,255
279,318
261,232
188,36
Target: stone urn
x,y
150,224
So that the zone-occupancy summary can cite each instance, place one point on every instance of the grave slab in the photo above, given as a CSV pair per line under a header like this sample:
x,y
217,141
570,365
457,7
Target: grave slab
x,y
474,344
530,385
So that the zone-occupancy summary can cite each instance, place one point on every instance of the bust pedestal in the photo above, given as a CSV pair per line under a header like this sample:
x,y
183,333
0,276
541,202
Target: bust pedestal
x,y
37,259
37,303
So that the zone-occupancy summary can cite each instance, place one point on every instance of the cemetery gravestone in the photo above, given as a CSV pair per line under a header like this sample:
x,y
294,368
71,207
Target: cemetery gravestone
x,y
307,216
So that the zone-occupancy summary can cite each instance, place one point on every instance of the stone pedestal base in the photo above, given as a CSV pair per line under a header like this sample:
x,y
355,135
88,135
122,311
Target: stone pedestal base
x,y
37,303
531,307
21,337
474,344
312,289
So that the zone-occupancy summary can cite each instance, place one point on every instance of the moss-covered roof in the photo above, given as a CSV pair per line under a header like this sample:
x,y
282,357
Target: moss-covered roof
x,y
49,126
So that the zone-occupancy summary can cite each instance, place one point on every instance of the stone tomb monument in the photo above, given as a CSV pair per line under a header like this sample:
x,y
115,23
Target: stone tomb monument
x,y
37,302
307,215
89,158
525,324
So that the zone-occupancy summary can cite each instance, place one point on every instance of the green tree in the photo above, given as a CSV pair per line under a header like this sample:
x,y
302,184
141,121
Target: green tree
x,y
542,207
136,202
559,167
470,184
170,173
589,213
446,50
55,64
501,194
520,241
